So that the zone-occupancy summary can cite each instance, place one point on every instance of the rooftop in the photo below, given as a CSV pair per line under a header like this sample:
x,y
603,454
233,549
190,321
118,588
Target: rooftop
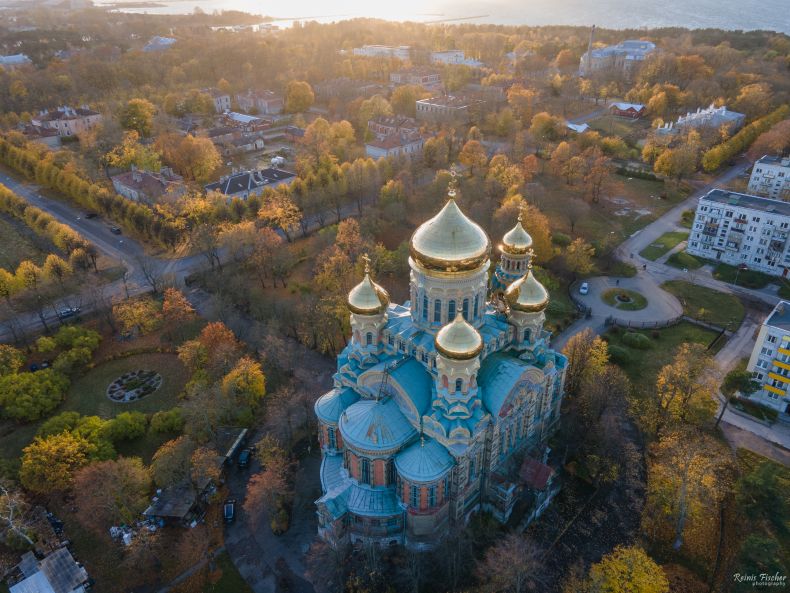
x,y
248,181
394,141
780,316
57,573
769,159
731,198
66,112
450,101
14,60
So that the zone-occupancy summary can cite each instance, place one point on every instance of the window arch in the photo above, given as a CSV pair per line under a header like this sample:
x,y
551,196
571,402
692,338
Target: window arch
x,y
437,311
364,471
369,339
477,306
526,335
425,307
451,310
331,437
465,309
459,384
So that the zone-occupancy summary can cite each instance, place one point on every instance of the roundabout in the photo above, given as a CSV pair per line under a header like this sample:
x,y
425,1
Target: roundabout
x,y
134,386
624,299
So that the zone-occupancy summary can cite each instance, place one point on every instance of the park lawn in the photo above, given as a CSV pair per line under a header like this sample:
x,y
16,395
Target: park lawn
x,y
683,260
230,580
712,306
638,301
628,129
643,365
687,218
747,278
18,243
664,243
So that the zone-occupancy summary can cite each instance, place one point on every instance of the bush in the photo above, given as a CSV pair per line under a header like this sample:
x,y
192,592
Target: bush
x,y
636,340
561,239
127,426
60,423
619,355
72,360
656,334
27,397
280,522
168,421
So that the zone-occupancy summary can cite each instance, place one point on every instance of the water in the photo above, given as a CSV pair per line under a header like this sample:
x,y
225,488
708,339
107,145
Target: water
x,y
619,14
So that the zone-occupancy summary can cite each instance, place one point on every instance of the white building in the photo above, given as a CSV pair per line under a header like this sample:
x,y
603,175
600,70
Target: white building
x,y
263,102
739,229
14,61
626,56
454,56
711,117
159,44
68,121
771,178
448,108
770,360
395,145
401,52
56,573
221,100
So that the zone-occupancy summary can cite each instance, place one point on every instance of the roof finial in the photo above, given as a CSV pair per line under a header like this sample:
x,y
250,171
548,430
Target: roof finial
x,y
521,212
531,254
366,259
452,187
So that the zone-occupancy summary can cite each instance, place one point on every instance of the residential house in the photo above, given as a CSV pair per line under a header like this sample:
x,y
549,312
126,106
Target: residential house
x,y
14,61
624,57
243,184
42,135
629,110
244,122
221,99
401,52
712,118
57,572
577,128
769,362
425,77
454,56
448,108
347,89
294,133
149,186
261,102
159,44
395,145
387,125
771,178
742,230
68,121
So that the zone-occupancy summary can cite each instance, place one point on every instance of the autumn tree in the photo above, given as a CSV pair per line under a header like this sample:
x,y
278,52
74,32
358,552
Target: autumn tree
x,y
176,309
138,116
131,152
49,464
245,384
587,357
26,397
16,524
473,156
579,257
686,388
522,101
195,157
11,359
171,463
404,99
512,565
214,351
299,96
141,315
372,108
626,570
546,127
279,211
111,492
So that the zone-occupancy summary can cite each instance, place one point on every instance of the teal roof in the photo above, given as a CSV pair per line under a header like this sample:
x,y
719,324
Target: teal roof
x,y
329,406
369,501
416,381
426,461
498,374
375,425
344,495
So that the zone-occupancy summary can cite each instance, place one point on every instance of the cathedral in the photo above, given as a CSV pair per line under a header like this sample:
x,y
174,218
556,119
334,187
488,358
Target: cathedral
x,y
441,406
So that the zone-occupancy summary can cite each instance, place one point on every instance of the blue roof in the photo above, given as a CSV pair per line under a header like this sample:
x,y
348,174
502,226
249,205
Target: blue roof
x,y
498,374
424,461
344,495
329,406
416,381
375,425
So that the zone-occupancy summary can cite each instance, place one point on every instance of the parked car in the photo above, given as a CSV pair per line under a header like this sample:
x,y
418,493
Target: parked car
x,y
584,288
229,511
69,312
90,215
244,458
115,230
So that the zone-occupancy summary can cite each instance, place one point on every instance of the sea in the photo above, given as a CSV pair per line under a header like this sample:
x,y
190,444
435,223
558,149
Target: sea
x,y
773,15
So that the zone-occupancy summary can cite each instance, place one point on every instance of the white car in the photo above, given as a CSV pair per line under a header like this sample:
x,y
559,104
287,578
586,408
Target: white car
x,y
584,288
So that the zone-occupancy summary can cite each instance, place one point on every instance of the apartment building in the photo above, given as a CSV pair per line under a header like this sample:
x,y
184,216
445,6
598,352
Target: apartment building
x,y
740,229
771,178
68,121
448,108
770,360
401,52
454,56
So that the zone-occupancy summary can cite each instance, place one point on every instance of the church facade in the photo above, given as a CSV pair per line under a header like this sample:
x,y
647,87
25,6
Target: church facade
x,y
438,402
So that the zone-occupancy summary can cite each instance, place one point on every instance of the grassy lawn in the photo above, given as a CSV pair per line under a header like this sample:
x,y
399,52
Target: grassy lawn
x,y
18,244
628,129
707,304
685,260
637,301
230,581
754,409
687,218
643,365
747,278
664,243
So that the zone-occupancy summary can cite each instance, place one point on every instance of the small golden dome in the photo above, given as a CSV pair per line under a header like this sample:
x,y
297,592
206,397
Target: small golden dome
x,y
527,294
367,297
516,241
450,242
459,340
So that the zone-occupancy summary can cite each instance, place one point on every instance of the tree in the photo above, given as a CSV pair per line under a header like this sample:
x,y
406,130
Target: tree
x,y
587,357
473,155
598,171
522,101
299,96
513,565
215,350
15,520
404,99
176,309
49,464
140,314
245,384
127,426
170,464
204,467
372,108
686,387
673,163
279,211
26,397
195,157
131,153
579,257
267,488
545,127
138,115
111,492
627,570
55,268
11,360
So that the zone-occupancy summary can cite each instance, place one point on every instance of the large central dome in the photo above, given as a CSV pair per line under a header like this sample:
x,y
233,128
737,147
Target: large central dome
x,y
450,242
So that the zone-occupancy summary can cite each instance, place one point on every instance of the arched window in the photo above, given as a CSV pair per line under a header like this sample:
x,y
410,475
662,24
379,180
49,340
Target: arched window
x,y
465,309
526,335
432,496
437,311
450,310
415,497
364,471
390,473
369,339
425,307
477,306
331,438
459,384
471,469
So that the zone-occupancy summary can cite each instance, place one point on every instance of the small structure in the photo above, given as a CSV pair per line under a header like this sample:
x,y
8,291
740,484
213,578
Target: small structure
x,y
577,128
454,56
148,186
14,61
425,77
179,505
245,122
159,44
263,102
221,99
243,184
448,108
47,136
346,89
395,145
56,573
68,121
629,110
711,118
294,133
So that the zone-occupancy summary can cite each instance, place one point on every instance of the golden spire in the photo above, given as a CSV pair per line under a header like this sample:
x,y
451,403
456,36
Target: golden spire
x,y
452,187
366,259
367,297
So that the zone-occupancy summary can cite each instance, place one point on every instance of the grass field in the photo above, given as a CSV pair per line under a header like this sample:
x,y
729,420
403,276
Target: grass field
x,y
682,260
628,129
638,301
664,243
230,581
643,365
18,244
747,278
707,304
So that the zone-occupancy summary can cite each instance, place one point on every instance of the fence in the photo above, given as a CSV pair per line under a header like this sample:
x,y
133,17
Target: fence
x,y
611,320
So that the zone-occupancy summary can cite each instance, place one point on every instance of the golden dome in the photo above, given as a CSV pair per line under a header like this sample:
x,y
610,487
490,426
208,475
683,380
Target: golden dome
x,y
367,297
450,242
527,294
459,340
516,241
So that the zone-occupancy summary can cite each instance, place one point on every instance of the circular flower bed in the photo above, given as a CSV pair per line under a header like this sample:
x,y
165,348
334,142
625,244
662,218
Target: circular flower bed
x,y
134,386
624,299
